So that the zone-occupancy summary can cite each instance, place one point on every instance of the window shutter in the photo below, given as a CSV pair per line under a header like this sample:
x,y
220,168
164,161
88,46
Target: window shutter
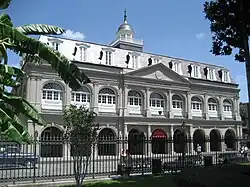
x,y
199,71
192,71
214,75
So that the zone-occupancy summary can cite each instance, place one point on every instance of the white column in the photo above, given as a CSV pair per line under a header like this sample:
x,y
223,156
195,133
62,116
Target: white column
x,y
188,106
149,142
207,143
221,113
95,97
126,90
120,103
166,105
236,108
205,107
191,147
125,131
172,137
170,113
148,113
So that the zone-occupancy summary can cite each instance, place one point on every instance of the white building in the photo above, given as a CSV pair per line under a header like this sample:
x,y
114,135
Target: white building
x,y
136,93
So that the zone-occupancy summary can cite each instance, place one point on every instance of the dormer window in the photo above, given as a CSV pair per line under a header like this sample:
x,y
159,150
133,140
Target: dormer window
x,y
135,60
108,52
82,51
55,43
195,71
211,74
225,76
177,67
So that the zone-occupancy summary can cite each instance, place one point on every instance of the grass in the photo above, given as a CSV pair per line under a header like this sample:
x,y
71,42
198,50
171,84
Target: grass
x,y
142,181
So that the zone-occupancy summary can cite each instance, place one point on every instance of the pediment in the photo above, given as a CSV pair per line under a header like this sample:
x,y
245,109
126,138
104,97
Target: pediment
x,y
158,72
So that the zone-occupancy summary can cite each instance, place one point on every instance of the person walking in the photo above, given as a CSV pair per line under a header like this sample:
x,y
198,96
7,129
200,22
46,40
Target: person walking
x,y
128,163
198,150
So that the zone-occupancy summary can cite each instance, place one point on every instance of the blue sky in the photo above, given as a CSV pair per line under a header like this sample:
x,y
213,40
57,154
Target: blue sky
x,y
170,27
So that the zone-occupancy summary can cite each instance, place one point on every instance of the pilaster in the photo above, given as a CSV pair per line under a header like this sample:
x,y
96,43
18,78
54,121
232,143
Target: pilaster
x,y
126,90
148,92
221,113
205,107
188,105
120,104
149,137
95,96
172,139
170,108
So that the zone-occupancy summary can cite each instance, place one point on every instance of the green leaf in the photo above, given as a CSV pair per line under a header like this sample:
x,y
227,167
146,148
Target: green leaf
x,y
67,70
11,70
15,131
5,19
21,106
40,29
4,4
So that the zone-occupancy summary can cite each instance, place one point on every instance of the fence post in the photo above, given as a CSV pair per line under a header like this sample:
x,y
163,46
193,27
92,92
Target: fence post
x,y
93,162
34,167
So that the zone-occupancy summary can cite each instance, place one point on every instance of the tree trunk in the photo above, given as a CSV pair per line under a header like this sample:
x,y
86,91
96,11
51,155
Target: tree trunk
x,y
247,60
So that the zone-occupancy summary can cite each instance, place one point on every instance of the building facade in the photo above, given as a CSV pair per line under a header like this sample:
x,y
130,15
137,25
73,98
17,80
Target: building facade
x,y
135,94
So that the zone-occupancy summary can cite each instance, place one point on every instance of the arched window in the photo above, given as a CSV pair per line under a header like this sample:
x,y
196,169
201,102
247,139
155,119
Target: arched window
x,y
212,107
81,97
177,104
156,104
107,100
227,108
196,106
52,95
134,102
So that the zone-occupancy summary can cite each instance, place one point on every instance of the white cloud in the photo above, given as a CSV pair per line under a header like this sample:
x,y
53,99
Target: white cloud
x,y
73,35
201,35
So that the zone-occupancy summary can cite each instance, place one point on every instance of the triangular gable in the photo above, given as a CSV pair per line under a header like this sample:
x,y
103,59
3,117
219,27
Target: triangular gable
x,y
159,72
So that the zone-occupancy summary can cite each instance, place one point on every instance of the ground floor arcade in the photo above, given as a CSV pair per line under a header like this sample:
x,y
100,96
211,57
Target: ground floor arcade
x,y
144,139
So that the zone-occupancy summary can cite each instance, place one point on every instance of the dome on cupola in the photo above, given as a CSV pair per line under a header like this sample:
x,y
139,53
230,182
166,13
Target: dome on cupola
x,y
125,27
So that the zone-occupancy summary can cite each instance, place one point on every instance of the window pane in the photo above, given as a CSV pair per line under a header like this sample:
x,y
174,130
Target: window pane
x,y
99,99
113,99
49,95
44,94
109,100
104,99
72,97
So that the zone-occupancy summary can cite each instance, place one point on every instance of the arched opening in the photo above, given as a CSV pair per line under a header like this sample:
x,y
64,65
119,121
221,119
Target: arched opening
x,y
177,105
106,142
199,138
107,100
227,108
136,142
212,107
156,103
180,141
159,142
81,96
196,106
215,140
52,96
230,140
134,102
51,142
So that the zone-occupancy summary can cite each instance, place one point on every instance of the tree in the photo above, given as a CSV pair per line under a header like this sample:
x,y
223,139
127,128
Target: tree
x,y
230,26
80,133
17,40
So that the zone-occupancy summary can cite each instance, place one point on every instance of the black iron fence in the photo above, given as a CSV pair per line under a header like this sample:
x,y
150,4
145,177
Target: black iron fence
x,y
52,158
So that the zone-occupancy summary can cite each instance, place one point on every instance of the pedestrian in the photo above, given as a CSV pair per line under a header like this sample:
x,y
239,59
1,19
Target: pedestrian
x,y
198,150
128,163
122,164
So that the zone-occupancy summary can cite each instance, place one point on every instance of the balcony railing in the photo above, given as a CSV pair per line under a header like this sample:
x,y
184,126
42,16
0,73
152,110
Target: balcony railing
x,y
129,40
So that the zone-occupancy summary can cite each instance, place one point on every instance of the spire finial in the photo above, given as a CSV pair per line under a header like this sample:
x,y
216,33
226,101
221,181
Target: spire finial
x,y
125,15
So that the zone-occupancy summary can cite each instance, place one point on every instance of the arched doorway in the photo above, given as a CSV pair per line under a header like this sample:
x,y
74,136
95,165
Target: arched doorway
x,y
215,140
136,142
199,138
180,141
159,142
230,140
51,142
106,142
